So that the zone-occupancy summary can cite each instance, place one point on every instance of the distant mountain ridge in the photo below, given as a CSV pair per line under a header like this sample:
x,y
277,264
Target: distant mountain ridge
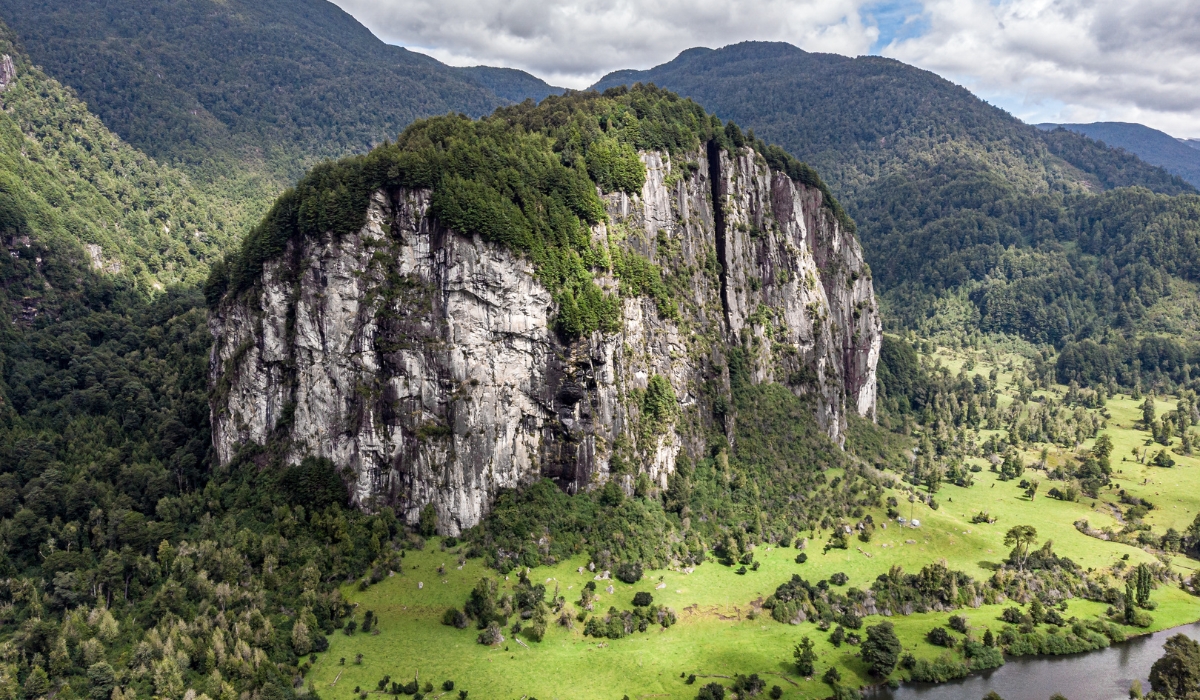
x,y
1159,148
248,94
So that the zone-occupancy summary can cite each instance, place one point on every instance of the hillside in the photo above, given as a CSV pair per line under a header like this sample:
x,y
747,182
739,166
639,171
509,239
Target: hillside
x,y
1151,145
971,220
247,95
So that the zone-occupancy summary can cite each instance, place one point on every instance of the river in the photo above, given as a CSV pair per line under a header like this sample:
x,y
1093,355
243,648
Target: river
x,y
1096,675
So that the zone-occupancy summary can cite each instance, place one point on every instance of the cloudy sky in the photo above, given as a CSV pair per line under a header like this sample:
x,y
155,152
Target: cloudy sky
x,y
1043,60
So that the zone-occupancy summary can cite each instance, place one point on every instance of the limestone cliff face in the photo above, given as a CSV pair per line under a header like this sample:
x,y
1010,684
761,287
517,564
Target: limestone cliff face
x,y
424,363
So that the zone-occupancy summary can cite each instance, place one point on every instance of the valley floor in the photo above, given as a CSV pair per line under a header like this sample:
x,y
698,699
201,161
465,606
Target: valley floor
x,y
722,630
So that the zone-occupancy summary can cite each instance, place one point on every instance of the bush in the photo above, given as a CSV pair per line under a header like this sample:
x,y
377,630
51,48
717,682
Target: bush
x,y
839,579
940,637
881,650
454,617
448,685
630,572
712,691
746,686
958,623
642,599
939,670
801,558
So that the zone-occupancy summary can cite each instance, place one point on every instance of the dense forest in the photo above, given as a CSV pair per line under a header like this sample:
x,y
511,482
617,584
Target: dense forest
x,y
134,567
246,96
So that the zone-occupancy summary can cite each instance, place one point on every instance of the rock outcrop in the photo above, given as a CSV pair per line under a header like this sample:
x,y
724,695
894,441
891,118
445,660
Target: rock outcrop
x,y
424,363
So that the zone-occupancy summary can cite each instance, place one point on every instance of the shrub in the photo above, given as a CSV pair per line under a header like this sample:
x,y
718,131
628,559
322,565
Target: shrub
x,y
958,623
746,686
801,558
776,692
881,650
630,572
940,637
447,685
712,691
839,579
838,636
642,599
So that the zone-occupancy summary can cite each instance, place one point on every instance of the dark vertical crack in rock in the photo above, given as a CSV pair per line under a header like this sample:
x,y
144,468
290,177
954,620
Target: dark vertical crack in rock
x,y
718,205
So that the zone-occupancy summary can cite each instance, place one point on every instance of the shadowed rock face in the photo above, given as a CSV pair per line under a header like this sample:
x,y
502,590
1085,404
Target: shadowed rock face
x,y
425,363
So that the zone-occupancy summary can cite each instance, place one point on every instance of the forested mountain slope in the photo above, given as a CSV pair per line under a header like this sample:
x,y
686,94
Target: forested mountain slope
x,y
972,221
117,539
1151,145
247,95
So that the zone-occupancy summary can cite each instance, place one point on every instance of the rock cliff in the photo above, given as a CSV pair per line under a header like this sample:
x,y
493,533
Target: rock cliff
x,y
425,363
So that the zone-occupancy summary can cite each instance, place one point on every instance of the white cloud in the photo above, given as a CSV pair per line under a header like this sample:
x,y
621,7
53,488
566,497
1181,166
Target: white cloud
x,y
1043,60
1070,60
574,42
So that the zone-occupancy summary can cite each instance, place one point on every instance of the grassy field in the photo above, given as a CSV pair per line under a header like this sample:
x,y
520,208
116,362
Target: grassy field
x,y
720,630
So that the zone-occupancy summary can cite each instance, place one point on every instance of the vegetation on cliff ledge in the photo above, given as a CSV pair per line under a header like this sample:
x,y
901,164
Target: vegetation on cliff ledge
x,y
526,178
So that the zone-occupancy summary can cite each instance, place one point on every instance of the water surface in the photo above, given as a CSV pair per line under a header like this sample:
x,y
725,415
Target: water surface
x,y
1095,675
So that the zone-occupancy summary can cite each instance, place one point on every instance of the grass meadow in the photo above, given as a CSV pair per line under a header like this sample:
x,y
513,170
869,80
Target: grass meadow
x,y
721,631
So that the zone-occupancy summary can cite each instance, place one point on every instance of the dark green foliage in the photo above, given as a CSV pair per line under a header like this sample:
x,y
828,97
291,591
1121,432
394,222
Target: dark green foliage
x,y
1177,673
939,670
427,524
314,483
1151,145
620,623
544,508
224,86
748,686
805,657
881,649
711,691
524,177
940,637
642,599
629,572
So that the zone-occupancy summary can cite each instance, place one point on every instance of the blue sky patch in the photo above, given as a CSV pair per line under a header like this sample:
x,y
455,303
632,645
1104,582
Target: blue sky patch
x,y
897,20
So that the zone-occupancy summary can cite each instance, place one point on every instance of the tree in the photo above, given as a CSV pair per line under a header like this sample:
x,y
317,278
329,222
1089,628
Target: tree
x,y
805,657
1144,582
712,691
102,679
1033,489
428,522
1177,672
1020,537
881,650
1148,411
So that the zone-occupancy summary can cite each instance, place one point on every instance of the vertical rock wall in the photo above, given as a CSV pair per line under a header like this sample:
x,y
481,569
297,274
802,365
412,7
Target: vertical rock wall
x,y
424,362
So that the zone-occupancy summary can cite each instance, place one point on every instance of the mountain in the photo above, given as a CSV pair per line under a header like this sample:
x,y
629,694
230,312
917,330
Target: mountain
x,y
511,84
1151,145
247,95
972,222
460,312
